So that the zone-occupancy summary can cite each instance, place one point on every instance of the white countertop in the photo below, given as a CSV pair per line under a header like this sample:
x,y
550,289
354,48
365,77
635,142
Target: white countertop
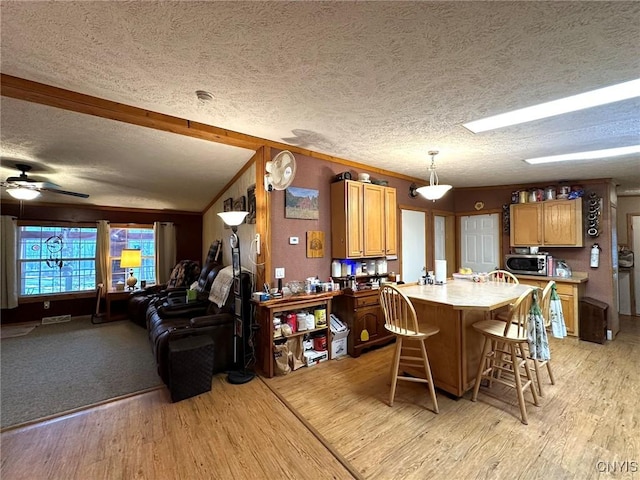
x,y
465,294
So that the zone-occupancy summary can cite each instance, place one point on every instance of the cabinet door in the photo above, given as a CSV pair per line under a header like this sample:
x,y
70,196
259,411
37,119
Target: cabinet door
x,y
374,222
391,221
367,319
562,223
526,224
569,313
346,219
354,206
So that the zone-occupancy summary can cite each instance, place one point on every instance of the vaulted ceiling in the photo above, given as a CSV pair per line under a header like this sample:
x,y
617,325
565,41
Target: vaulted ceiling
x,y
379,83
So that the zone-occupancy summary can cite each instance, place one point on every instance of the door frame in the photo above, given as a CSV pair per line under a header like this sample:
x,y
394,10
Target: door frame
x,y
450,246
632,279
427,227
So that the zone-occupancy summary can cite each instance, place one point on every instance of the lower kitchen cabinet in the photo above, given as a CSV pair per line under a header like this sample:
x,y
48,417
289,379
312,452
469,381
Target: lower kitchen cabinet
x,y
570,290
361,311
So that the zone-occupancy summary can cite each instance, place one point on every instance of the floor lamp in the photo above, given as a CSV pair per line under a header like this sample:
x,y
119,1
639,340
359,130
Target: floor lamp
x,y
242,327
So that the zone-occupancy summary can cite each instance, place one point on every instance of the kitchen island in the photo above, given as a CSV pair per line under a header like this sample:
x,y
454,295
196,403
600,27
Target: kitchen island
x,y
454,307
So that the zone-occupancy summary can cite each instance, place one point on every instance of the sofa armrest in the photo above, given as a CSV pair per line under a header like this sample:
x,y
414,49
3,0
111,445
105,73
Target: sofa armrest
x,y
188,310
211,320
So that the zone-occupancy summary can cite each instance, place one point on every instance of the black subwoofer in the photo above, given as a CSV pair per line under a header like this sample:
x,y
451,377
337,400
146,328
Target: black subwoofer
x,y
190,366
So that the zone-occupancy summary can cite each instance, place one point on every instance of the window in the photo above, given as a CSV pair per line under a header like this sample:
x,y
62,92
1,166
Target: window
x,y
56,259
142,238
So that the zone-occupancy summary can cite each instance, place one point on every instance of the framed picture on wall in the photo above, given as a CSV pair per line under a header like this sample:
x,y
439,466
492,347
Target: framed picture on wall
x,y
251,204
301,203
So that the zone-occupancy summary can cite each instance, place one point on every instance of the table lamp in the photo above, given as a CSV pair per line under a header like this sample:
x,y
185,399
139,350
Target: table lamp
x,y
131,258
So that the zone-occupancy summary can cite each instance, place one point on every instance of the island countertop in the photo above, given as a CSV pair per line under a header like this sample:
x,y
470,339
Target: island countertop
x,y
466,295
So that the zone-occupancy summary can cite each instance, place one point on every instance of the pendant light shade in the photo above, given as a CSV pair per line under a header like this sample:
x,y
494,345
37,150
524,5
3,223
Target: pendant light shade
x,y
434,190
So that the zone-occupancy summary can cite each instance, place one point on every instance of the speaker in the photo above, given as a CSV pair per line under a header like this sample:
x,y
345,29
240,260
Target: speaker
x,y
190,366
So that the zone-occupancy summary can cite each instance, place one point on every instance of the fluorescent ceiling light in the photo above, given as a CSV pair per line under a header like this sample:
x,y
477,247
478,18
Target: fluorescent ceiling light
x,y
601,96
610,152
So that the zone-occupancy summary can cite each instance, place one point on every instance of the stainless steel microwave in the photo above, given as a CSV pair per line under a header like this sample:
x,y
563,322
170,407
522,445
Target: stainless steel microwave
x,y
526,264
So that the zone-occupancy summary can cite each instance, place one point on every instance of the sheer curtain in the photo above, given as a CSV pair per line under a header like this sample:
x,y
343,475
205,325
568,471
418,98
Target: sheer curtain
x,y
165,235
103,244
9,261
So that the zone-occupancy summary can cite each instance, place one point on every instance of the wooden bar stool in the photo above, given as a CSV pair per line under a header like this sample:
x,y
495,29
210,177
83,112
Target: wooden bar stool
x,y
505,355
401,320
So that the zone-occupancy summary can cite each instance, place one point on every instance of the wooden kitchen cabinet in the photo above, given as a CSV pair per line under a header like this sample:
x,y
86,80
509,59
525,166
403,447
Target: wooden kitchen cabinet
x,y
363,220
570,291
553,223
361,311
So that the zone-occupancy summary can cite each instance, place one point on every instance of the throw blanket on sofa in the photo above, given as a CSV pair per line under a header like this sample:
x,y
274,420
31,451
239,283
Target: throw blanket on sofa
x,y
221,286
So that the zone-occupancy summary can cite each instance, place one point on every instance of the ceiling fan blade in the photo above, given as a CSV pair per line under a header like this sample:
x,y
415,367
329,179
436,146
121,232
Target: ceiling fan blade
x,y
64,192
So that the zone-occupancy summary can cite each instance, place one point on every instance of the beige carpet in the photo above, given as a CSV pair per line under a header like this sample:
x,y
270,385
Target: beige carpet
x,y
62,367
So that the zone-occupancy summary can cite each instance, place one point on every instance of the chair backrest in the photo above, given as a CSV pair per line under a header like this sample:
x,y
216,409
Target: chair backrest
x,y
399,313
501,276
545,303
519,313
184,274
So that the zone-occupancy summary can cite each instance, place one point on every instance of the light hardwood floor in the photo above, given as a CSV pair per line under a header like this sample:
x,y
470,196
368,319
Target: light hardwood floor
x,y
341,427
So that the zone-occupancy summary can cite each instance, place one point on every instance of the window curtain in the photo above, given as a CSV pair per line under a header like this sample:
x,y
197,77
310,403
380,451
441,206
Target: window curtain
x,y
103,246
165,238
9,261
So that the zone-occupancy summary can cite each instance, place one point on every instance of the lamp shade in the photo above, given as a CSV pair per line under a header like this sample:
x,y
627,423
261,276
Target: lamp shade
x,y
233,218
433,192
22,193
130,258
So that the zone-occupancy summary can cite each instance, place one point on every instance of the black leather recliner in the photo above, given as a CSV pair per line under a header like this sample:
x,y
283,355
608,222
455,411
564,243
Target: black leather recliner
x,y
173,323
184,274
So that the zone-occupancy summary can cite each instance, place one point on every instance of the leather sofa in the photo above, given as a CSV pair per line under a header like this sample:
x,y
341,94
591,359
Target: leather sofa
x,y
167,322
183,275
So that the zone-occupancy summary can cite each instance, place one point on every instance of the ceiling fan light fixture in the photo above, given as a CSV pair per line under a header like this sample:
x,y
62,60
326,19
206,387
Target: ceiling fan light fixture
x,y
22,193
434,191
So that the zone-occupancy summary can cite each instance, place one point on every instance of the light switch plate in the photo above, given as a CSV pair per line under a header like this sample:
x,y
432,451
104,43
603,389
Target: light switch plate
x,y
293,240
279,272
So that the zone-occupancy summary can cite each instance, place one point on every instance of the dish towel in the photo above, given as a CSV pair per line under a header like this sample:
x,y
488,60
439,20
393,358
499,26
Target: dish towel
x,y
537,335
221,286
558,327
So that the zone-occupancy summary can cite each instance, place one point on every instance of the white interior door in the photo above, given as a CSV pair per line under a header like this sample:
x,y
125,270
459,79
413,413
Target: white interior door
x,y
414,256
480,242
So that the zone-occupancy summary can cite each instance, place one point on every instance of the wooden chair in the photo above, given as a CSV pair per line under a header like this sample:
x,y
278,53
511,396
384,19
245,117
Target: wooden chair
x,y
401,320
545,308
501,276
504,357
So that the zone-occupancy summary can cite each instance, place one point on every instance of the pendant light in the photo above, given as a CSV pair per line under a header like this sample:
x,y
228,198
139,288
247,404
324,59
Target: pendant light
x,y
434,190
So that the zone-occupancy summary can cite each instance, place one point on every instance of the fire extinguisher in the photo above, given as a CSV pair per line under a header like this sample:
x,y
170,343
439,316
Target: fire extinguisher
x,y
595,256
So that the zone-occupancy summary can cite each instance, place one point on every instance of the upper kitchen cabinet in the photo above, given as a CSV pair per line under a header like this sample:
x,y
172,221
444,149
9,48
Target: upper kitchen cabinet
x,y
553,223
363,220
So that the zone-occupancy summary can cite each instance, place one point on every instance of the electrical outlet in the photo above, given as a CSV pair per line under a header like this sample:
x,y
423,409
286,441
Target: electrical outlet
x,y
279,272
47,304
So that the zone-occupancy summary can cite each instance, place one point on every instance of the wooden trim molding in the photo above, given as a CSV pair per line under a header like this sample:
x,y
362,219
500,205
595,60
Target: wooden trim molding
x,y
22,89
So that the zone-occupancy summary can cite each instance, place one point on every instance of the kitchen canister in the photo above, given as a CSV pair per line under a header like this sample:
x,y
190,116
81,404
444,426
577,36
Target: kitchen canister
x,y
550,193
301,320
311,321
320,343
523,196
320,315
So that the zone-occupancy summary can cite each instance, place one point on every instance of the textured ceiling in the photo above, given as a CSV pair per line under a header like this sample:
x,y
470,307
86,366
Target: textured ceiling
x,y
379,83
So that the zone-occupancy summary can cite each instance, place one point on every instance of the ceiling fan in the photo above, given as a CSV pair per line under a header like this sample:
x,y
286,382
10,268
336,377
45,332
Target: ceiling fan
x,y
25,188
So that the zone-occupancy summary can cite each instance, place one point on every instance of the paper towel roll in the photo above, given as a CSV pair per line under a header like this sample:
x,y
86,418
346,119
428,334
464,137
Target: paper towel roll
x,y
441,271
